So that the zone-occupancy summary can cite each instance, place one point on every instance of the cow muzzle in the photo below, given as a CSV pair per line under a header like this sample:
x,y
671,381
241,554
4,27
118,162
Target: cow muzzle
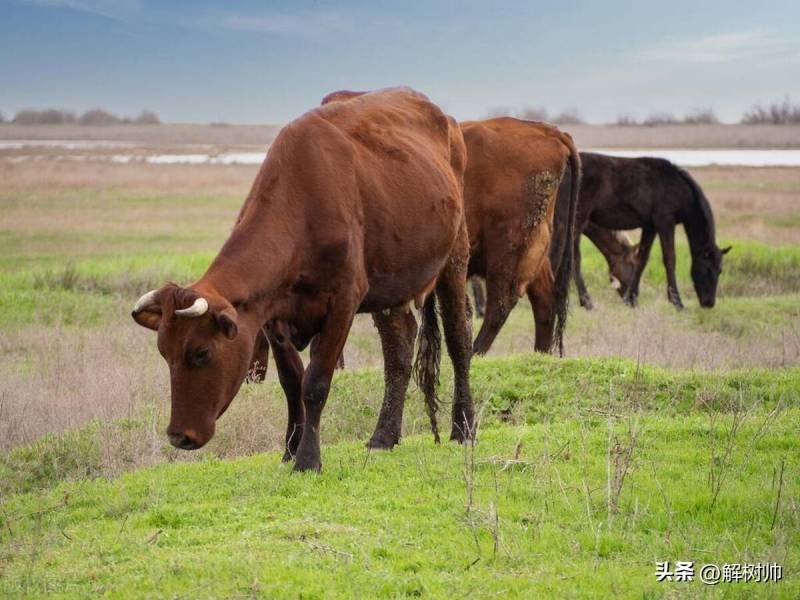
x,y
184,440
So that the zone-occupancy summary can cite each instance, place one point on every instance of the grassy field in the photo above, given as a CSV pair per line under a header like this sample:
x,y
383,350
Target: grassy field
x,y
587,470
580,481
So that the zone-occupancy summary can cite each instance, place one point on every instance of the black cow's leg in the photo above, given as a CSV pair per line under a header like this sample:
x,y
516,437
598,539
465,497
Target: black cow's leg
x,y
397,330
318,375
290,374
648,235
583,293
451,292
666,236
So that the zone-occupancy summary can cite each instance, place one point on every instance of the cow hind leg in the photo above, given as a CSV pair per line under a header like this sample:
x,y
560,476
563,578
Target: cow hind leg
x,y
453,303
542,298
501,298
397,331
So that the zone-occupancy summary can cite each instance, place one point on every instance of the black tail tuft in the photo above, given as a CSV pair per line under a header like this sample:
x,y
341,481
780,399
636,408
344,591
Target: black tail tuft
x,y
564,234
429,356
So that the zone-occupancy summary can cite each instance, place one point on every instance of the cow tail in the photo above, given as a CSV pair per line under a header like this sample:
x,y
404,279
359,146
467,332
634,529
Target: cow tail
x,y
428,360
563,272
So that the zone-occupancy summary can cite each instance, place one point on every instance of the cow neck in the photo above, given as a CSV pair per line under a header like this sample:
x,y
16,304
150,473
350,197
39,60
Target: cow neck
x,y
255,261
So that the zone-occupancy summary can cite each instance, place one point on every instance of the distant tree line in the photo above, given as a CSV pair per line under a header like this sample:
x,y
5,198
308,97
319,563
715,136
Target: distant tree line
x,y
776,113
569,116
701,116
96,116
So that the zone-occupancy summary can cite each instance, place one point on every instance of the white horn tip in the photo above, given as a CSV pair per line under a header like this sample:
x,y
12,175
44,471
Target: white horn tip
x,y
145,301
199,308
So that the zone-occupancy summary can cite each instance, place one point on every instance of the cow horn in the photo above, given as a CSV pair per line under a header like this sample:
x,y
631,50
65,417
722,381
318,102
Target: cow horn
x,y
146,301
198,309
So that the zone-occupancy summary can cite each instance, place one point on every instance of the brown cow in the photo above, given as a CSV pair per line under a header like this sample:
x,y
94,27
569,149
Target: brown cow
x,y
510,192
621,256
357,207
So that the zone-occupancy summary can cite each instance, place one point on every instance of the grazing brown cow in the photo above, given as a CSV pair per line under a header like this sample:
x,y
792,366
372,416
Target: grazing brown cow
x,y
510,192
357,207
621,256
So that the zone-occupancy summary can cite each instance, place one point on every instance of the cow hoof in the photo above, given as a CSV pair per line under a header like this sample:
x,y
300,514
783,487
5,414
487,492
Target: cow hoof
x,y
586,302
459,435
302,465
381,441
287,456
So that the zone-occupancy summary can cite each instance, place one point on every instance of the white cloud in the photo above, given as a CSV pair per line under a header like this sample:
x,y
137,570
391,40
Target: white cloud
x,y
725,47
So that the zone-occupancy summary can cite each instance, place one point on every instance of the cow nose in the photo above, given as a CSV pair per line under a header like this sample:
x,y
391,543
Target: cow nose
x,y
182,441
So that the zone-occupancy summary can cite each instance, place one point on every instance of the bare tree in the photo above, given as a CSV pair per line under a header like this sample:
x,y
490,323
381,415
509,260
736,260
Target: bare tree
x,y
626,120
534,113
701,116
569,116
660,118
777,113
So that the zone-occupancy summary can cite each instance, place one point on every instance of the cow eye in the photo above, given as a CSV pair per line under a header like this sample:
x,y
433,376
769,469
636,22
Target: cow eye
x,y
200,357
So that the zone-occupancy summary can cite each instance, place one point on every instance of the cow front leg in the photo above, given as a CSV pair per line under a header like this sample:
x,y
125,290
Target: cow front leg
x,y
648,236
317,378
397,331
290,374
260,359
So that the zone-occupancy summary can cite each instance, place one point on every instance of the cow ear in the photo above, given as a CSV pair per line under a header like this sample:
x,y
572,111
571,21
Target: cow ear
x,y
226,321
149,318
726,250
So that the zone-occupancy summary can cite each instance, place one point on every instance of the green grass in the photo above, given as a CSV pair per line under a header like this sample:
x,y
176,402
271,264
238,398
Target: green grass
x,y
422,520
402,523
520,389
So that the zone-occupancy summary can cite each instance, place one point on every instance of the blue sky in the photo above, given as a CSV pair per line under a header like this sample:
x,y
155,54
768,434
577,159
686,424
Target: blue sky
x,y
256,62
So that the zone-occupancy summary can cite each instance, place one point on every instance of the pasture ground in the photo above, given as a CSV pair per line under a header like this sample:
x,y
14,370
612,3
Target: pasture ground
x,y
587,470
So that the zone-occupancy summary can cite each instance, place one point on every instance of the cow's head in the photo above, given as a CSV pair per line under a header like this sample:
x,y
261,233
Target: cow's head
x,y
622,269
207,346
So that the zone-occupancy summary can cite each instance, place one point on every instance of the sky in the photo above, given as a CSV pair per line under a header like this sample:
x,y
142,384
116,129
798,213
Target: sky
x,y
268,62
